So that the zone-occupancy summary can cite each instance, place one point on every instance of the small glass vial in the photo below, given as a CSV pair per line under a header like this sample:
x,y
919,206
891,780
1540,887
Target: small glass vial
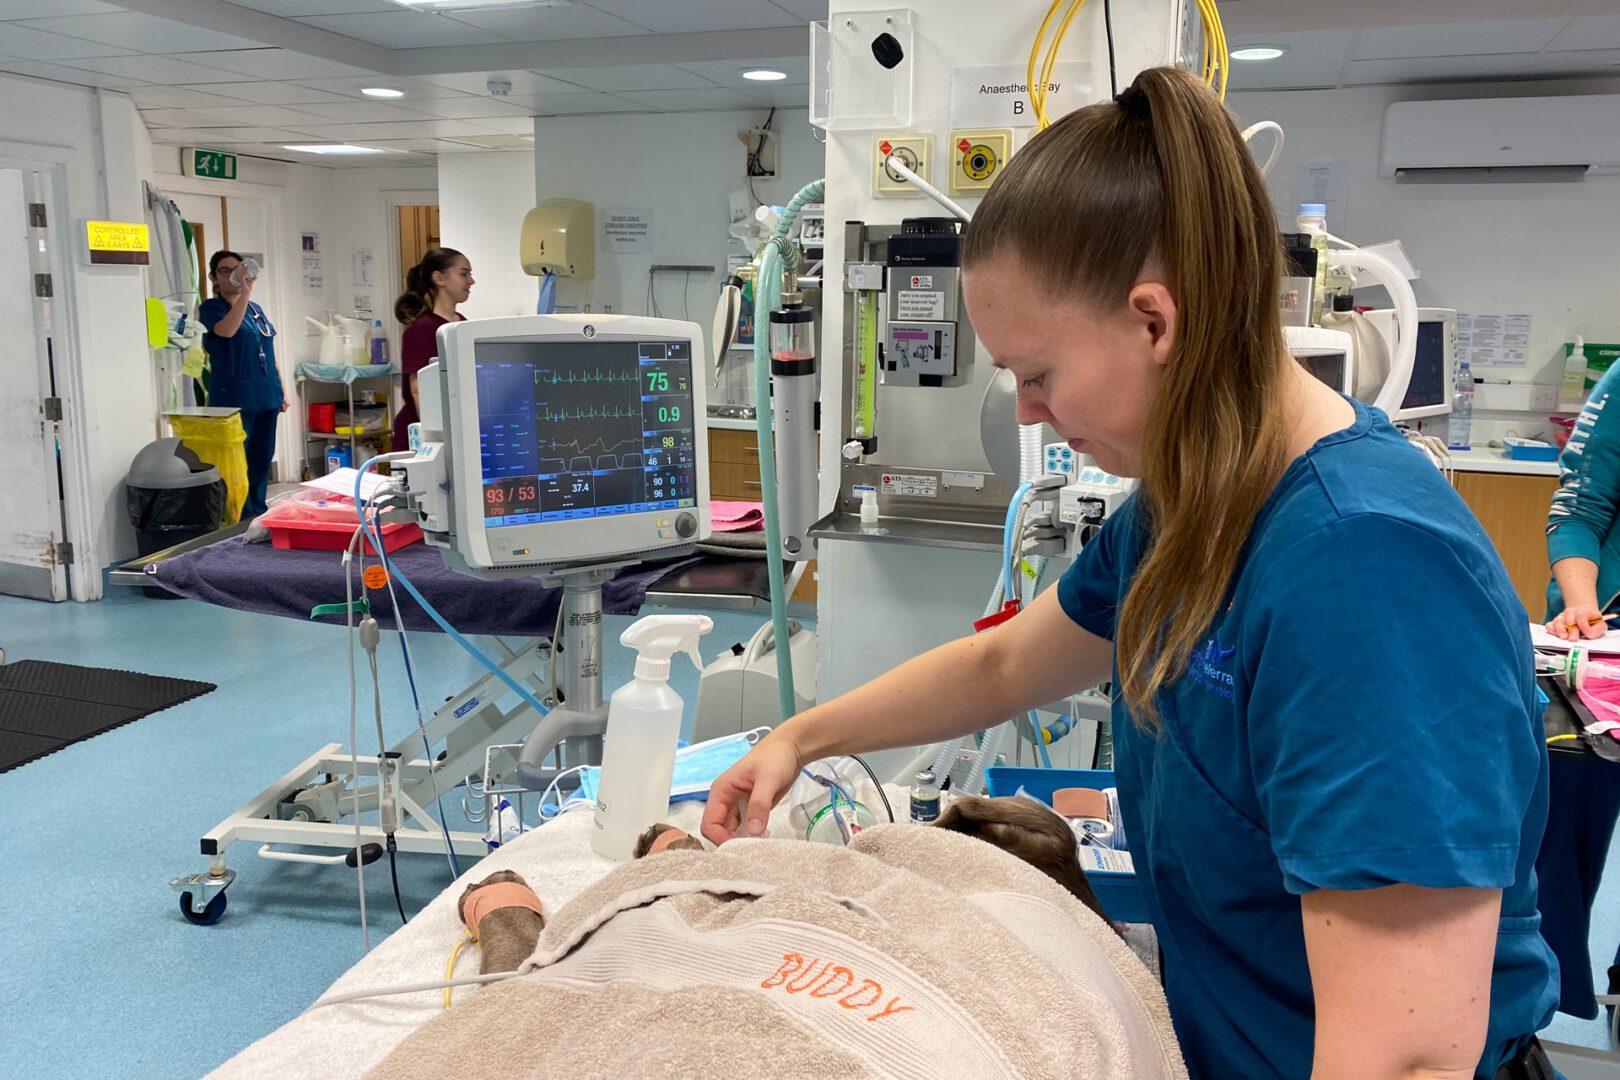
x,y
925,798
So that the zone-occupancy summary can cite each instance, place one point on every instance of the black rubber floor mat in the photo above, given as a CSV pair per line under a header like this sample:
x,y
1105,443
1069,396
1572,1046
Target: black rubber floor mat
x,y
45,706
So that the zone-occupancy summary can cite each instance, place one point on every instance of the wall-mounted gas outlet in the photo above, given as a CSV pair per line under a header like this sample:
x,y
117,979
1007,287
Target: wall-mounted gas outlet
x,y
911,148
977,157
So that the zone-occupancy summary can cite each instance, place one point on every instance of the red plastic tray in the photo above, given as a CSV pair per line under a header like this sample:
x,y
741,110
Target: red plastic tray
x,y
335,536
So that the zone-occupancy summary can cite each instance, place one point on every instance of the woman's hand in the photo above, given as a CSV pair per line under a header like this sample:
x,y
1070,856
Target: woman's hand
x,y
1578,622
750,788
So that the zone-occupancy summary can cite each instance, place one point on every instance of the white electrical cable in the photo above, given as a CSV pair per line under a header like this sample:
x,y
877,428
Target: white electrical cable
x,y
1277,146
929,189
412,988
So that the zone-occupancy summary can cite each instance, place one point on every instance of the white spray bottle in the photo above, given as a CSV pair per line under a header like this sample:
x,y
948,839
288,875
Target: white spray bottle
x,y
644,724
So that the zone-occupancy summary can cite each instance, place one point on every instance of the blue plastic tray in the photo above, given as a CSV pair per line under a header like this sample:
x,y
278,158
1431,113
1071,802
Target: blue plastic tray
x,y
1119,894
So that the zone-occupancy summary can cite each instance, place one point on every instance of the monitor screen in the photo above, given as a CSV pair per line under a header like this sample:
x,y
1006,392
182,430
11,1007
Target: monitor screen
x,y
1428,385
572,429
1326,364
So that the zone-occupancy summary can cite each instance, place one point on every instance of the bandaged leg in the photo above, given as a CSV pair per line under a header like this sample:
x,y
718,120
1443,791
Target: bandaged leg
x,y
663,837
504,914
1029,831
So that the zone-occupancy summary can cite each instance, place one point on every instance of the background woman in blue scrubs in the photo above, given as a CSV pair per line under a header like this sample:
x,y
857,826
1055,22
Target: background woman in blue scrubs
x,y
241,347
1334,806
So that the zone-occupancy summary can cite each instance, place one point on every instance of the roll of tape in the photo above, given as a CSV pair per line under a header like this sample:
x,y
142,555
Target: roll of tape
x,y
1093,829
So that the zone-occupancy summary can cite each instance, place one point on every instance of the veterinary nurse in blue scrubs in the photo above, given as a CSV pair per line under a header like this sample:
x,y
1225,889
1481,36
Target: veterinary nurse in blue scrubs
x,y
1327,747
241,347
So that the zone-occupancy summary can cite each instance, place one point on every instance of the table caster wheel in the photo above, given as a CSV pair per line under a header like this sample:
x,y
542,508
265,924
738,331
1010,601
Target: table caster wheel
x,y
208,916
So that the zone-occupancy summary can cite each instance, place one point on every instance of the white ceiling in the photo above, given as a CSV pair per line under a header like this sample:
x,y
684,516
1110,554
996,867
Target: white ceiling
x,y
252,75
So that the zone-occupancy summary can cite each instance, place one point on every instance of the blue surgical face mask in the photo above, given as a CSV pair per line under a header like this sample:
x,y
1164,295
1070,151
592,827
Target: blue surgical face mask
x,y
696,767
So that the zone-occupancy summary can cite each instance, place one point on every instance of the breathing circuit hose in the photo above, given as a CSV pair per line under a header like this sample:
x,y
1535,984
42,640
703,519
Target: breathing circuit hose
x,y
767,294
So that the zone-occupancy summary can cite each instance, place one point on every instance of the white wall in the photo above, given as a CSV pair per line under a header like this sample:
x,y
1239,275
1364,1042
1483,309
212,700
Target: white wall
x,y
680,167
100,354
1551,250
271,205
482,200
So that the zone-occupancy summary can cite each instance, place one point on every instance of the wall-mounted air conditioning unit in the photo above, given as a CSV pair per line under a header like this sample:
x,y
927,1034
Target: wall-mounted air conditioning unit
x,y
1501,139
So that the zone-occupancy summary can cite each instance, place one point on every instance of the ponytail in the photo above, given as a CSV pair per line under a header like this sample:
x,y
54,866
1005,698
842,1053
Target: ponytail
x,y
1161,176
417,299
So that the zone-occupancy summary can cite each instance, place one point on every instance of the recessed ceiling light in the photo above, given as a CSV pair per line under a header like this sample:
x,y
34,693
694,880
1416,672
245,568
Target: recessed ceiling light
x,y
335,148
1258,52
382,91
764,75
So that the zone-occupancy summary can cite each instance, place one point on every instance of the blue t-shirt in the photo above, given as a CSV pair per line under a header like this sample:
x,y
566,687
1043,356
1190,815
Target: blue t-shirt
x,y
242,367
1361,715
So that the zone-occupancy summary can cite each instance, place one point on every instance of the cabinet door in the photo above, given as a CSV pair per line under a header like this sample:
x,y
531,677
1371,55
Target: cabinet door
x,y
1513,510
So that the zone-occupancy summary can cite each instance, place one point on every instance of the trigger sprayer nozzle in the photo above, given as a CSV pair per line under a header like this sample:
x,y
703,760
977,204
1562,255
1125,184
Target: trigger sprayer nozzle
x,y
657,638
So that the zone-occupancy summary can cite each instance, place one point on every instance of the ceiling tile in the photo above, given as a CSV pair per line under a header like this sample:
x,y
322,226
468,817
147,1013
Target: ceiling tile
x,y
1441,68
251,135
781,95
183,118
1314,59
178,97
578,104
72,76
167,70
689,16
266,93
402,29
267,115
1591,32
467,107
349,86
21,41
1456,39
806,10
422,145
487,142
523,82
550,23
176,137
414,129
30,9
141,32
692,100
290,8
359,112
509,125
729,72
633,77
276,64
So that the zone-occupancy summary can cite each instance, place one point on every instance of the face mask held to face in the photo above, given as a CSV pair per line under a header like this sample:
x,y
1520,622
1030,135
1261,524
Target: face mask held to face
x,y
697,767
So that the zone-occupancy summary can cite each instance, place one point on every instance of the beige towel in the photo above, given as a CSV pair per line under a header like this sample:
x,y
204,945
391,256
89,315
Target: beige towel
x,y
914,952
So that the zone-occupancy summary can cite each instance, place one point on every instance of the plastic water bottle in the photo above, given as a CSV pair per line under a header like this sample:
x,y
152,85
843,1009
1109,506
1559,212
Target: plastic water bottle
x,y
1312,221
1462,409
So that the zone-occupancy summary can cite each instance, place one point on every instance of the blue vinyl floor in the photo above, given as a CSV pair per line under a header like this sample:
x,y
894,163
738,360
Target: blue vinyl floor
x,y
103,978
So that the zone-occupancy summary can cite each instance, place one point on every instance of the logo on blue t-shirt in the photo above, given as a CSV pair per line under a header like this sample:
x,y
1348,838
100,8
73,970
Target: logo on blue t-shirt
x,y
1204,667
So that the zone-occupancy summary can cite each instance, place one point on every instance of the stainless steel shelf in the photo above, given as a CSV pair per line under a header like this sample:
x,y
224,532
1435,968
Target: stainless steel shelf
x,y
907,530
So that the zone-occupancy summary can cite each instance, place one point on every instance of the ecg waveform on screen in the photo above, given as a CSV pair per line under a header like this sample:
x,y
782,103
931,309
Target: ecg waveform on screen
x,y
595,412
555,378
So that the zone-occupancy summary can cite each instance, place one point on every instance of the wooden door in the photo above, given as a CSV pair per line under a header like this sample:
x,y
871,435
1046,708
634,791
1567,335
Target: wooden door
x,y
418,234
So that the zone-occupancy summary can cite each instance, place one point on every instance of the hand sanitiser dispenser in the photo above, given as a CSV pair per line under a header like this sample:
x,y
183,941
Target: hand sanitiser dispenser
x,y
643,727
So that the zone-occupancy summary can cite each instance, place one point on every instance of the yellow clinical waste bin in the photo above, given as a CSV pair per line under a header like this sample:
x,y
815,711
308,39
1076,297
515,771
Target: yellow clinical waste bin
x,y
215,435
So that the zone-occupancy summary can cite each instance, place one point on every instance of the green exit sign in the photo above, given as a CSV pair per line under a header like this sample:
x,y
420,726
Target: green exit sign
x,y
214,164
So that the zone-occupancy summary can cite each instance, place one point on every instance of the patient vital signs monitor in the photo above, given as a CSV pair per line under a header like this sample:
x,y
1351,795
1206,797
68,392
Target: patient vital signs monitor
x,y
551,441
